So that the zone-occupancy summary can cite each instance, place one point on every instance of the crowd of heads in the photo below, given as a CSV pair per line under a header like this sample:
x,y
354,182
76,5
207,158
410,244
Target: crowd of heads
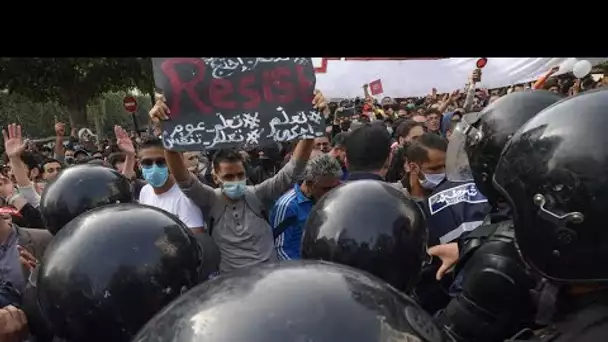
x,y
156,259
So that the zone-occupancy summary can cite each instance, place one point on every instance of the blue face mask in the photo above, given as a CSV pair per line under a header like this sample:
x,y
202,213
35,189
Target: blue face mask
x,y
235,189
156,175
431,181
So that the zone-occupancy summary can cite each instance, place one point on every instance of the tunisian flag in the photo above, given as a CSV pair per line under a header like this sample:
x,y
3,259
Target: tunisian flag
x,y
375,87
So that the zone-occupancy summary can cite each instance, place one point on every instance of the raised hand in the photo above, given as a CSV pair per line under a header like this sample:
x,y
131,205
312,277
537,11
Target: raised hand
x,y
160,110
13,141
59,128
123,141
319,103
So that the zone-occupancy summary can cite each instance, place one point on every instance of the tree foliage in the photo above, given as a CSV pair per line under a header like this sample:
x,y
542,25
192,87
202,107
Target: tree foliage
x,y
38,118
74,82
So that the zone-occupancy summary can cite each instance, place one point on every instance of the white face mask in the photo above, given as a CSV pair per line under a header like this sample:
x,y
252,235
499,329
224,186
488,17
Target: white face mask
x,y
431,180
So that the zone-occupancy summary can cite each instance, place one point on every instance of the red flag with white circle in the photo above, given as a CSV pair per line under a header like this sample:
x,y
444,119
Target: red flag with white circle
x,y
375,87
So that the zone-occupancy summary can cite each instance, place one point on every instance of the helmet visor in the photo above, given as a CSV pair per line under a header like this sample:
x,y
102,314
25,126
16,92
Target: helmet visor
x,y
457,162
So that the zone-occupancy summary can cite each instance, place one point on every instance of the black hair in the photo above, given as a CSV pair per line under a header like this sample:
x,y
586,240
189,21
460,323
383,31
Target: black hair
x,y
48,160
85,160
368,148
31,160
99,162
226,155
325,135
151,142
432,111
418,150
587,83
405,128
116,157
77,152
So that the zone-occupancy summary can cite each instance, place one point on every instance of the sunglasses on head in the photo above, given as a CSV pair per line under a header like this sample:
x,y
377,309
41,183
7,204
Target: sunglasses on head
x,y
149,162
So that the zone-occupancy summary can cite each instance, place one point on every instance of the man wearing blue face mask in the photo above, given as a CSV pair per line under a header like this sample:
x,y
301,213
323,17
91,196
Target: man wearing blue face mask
x,y
161,190
426,164
237,214
451,207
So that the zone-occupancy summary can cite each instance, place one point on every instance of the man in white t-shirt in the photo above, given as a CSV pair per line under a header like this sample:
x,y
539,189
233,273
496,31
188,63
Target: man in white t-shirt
x,y
162,191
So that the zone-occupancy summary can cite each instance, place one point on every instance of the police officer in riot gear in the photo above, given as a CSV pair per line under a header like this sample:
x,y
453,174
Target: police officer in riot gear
x,y
372,226
81,188
75,190
292,301
111,269
554,175
492,290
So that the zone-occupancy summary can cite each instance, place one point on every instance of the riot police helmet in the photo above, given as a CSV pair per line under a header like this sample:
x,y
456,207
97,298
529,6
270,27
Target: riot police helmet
x,y
372,226
80,188
477,141
111,269
554,174
292,301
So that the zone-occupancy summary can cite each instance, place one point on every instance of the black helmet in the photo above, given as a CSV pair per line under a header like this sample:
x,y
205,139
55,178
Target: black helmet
x,y
80,188
111,269
554,175
292,301
477,141
372,226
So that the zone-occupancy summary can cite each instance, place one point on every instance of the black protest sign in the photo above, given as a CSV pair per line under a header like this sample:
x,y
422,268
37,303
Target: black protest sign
x,y
222,102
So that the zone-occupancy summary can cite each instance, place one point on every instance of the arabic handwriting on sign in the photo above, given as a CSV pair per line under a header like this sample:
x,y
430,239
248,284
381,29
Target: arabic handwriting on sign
x,y
285,127
184,135
225,67
230,130
245,129
222,137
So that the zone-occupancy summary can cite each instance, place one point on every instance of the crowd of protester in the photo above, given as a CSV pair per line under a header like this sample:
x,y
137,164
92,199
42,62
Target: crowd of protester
x,y
253,202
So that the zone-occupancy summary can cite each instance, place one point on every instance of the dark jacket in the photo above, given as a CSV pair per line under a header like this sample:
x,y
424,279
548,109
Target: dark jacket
x,y
31,216
34,241
361,175
452,209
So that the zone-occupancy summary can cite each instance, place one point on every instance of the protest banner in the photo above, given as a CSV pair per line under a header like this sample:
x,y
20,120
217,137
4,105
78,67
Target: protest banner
x,y
225,102
341,77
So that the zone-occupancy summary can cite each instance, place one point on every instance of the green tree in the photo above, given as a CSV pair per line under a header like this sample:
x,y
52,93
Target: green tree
x,y
114,112
37,118
74,82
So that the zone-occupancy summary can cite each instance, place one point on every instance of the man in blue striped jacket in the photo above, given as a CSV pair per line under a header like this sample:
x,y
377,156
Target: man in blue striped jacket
x,y
290,211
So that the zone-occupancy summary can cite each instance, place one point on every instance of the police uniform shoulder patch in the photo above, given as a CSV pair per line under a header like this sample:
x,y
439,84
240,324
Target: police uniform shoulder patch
x,y
465,193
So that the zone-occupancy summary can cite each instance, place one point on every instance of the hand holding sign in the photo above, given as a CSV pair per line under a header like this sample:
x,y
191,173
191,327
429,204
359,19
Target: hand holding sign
x,y
218,102
159,111
319,103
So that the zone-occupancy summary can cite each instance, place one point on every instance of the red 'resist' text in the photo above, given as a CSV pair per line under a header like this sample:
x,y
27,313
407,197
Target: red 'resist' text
x,y
279,86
